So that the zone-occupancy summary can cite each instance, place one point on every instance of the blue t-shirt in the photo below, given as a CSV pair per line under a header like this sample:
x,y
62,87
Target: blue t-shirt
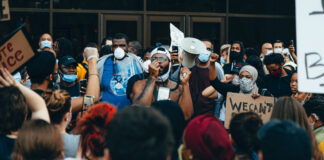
x,y
114,81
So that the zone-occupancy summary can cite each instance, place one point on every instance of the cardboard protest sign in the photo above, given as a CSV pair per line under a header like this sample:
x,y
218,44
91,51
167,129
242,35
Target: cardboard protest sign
x,y
15,52
310,48
176,37
5,13
239,103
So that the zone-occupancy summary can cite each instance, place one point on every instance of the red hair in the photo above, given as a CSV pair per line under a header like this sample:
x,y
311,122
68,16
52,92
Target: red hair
x,y
93,127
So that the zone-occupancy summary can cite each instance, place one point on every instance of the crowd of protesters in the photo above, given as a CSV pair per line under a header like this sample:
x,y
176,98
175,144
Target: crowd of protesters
x,y
123,102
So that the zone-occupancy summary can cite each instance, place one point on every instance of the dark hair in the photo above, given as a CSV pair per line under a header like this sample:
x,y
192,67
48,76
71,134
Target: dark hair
x,y
173,112
13,110
244,129
315,105
121,36
273,58
105,50
288,108
93,126
137,46
241,45
208,40
251,52
256,62
283,140
58,104
65,48
279,41
38,139
92,44
139,132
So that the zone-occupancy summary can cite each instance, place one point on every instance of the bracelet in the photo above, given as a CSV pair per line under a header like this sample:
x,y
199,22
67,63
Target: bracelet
x,y
95,74
90,57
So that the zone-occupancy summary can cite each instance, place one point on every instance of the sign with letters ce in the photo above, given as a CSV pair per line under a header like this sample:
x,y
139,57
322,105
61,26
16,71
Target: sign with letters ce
x,y
15,52
240,103
310,45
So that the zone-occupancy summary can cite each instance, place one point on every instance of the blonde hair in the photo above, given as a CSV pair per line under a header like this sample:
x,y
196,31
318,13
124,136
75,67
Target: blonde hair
x,y
58,103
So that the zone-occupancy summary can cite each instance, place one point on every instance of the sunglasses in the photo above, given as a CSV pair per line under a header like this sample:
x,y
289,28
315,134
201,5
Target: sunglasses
x,y
162,59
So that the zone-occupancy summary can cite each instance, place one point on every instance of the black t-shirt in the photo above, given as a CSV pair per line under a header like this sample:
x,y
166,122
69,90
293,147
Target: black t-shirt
x,y
131,82
199,80
278,87
6,147
74,91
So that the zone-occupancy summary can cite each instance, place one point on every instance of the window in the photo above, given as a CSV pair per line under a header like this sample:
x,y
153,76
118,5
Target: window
x,y
29,3
79,28
187,5
34,26
280,7
253,31
99,4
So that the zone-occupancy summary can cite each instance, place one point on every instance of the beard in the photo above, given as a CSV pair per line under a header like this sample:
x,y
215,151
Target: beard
x,y
164,71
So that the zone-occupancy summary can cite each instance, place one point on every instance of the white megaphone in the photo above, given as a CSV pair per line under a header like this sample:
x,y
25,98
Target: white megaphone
x,y
192,47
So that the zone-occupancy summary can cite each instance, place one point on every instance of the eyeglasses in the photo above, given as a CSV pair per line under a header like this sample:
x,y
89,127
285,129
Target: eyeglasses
x,y
162,59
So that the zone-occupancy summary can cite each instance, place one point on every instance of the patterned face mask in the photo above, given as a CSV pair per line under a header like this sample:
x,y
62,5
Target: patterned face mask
x,y
246,85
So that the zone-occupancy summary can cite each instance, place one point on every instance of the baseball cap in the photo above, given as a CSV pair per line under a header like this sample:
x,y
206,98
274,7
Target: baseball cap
x,y
67,60
42,65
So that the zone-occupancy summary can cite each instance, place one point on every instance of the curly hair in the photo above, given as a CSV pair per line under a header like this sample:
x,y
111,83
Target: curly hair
x,y
58,104
93,126
273,58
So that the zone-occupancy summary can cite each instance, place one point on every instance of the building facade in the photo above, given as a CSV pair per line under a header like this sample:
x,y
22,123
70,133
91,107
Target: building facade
x,y
222,21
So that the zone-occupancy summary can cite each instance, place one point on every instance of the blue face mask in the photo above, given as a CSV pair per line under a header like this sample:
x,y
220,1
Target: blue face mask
x,y
69,78
46,44
204,57
222,60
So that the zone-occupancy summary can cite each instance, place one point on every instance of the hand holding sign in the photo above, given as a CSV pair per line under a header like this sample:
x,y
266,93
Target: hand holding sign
x,y
6,79
239,103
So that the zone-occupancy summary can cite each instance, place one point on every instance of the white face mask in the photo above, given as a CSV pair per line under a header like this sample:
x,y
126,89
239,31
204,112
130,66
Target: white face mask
x,y
246,85
146,66
236,80
277,50
119,53
46,44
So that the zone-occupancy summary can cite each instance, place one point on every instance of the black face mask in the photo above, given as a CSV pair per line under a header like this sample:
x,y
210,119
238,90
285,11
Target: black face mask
x,y
235,56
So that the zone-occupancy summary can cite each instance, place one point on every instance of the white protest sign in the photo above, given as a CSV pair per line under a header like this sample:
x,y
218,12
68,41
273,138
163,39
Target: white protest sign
x,y
176,37
5,11
240,103
310,45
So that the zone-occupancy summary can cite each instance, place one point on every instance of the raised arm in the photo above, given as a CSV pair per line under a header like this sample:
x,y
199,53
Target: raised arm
x,y
34,102
212,67
93,88
144,95
185,100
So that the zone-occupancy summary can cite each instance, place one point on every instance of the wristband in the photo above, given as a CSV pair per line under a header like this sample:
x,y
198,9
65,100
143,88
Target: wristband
x,y
90,57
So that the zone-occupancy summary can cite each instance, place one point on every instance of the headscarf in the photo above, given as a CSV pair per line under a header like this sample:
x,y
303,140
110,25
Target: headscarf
x,y
254,73
208,139
161,50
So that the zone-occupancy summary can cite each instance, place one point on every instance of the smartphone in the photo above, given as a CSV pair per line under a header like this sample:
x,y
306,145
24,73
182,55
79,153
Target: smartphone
x,y
175,48
83,83
87,102
163,93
